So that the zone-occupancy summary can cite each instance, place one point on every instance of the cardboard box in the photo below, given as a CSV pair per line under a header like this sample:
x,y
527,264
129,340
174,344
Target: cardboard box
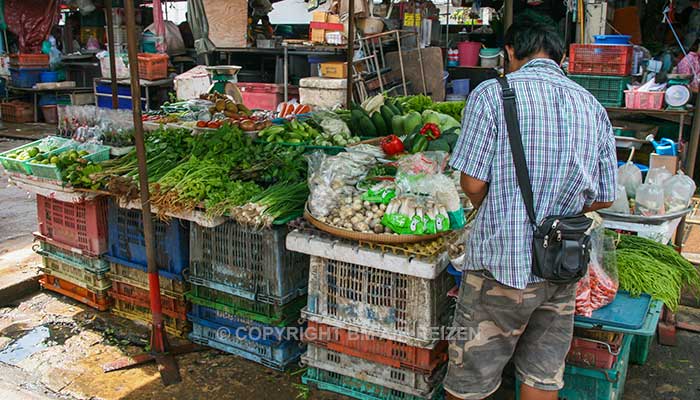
x,y
319,16
334,69
669,162
333,19
318,35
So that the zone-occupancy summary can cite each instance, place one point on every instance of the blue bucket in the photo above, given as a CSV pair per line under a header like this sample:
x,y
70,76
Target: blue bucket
x,y
460,86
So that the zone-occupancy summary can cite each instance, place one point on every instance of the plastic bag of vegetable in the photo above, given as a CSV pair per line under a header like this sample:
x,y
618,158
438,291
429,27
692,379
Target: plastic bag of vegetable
x,y
621,205
381,192
649,200
657,175
406,215
678,191
599,287
629,176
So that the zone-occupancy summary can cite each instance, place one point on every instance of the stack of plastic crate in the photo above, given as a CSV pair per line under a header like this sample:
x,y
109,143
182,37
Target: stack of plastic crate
x,y
602,69
71,238
128,267
375,318
246,286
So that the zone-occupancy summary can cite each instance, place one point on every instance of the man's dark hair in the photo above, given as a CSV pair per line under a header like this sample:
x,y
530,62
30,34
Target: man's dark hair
x,y
528,37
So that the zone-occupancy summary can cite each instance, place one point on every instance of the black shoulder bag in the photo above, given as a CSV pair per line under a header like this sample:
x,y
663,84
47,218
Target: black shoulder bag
x,y
560,245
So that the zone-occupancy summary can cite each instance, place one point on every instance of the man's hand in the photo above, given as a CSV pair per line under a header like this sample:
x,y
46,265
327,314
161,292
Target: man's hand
x,y
597,206
475,189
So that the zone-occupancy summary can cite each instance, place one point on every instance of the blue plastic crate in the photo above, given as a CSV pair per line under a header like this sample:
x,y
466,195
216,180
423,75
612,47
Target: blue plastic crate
x,y
591,383
127,246
26,77
277,356
626,314
106,88
358,389
105,101
246,328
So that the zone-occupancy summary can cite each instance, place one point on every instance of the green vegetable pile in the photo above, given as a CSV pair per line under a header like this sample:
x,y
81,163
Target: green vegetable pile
x,y
645,266
295,132
420,103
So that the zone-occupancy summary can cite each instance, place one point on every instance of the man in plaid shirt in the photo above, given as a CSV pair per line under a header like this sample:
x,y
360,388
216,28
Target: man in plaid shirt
x,y
570,152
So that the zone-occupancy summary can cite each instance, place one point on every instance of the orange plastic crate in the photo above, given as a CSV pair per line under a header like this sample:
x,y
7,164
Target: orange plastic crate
x,y
82,226
176,308
17,111
596,59
99,301
384,351
29,60
153,66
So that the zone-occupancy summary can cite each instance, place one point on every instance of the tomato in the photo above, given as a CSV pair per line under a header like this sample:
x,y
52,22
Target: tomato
x,y
201,124
214,124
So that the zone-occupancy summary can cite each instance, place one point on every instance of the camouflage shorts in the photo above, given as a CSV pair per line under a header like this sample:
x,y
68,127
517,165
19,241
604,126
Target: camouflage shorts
x,y
533,326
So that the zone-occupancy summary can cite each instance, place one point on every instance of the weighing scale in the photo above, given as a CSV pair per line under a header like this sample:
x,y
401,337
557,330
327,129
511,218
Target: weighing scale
x,y
224,80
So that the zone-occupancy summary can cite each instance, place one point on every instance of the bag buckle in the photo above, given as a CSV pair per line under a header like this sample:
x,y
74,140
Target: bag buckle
x,y
546,241
508,93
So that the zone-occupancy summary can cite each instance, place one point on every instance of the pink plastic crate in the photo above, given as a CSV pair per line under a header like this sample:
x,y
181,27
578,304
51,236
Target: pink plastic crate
x,y
265,96
644,100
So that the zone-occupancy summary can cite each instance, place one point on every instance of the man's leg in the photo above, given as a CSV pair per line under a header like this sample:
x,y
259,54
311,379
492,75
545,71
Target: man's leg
x,y
530,393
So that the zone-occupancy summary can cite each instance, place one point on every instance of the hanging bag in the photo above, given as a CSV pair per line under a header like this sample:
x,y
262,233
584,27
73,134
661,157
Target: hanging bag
x,y
560,245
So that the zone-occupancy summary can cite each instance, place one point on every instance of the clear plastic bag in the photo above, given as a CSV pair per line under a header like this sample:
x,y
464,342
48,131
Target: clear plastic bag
x,y
599,287
621,205
678,192
629,176
657,175
649,200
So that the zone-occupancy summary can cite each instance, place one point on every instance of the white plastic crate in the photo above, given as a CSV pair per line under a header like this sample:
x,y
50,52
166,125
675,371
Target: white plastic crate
x,y
381,303
403,380
349,252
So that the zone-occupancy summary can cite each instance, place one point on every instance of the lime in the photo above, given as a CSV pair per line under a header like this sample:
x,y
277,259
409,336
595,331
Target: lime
x,y
33,151
83,153
53,160
39,157
13,155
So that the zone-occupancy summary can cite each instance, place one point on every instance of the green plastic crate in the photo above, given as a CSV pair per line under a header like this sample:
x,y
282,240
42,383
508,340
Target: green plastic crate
x,y
591,383
49,171
270,314
608,90
13,165
358,389
640,349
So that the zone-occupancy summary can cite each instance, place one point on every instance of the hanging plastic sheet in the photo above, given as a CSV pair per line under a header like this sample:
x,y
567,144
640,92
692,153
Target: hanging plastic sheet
x,y
31,21
197,19
159,25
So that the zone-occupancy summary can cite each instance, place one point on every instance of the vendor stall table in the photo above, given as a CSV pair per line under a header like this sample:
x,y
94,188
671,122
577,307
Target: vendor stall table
x,y
147,88
669,115
87,70
36,92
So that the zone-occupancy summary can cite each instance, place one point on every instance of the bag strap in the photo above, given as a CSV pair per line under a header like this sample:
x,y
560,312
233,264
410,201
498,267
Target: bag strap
x,y
516,147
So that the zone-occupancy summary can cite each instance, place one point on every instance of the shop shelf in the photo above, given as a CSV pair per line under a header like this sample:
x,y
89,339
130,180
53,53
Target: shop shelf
x,y
387,352
357,388
82,226
98,153
256,331
14,165
175,327
600,59
90,264
77,276
172,307
640,349
594,353
644,100
127,245
139,278
385,304
594,383
23,60
153,66
608,90
26,77
403,380
277,356
100,301
261,312
247,262
17,111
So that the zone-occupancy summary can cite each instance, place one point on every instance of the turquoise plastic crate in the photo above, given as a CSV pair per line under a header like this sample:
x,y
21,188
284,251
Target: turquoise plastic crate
x,y
358,389
49,171
14,165
640,349
94,265
608,90
594,384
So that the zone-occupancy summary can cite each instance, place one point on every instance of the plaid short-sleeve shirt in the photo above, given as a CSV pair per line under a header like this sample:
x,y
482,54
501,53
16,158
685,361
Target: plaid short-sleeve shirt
x,y
570,152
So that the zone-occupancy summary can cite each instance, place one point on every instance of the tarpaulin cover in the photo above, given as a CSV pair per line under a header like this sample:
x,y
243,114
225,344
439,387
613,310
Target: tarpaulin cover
x,y
31,21
197,19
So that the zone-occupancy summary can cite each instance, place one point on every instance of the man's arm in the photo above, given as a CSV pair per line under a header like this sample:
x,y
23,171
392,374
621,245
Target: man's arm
x,y
598,205
607,167
475,189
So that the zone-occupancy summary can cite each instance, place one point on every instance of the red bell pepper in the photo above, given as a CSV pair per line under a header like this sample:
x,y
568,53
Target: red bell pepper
x,y
430,131
392,145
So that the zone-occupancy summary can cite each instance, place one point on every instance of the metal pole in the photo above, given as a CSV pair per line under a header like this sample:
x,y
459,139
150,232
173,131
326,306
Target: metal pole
x,y
403,73
694,138
351,49
112,54
158,336
285,73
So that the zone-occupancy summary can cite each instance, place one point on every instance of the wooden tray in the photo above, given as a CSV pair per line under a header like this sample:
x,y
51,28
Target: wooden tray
x,y
368,237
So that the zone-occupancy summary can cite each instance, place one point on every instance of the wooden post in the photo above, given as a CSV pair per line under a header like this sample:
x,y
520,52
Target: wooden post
x,y
351,48
112,55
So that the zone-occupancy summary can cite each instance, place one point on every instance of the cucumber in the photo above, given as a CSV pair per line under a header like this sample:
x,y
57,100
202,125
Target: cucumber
x,y
394,109
379,123
387,114
397,125
366,126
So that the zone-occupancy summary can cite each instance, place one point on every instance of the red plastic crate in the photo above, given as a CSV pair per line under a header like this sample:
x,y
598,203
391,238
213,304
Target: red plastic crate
x,y
17,111
172,307
153,66
594,59
644,100
265,96
383,351
29,60
99,301
593,353
82,226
